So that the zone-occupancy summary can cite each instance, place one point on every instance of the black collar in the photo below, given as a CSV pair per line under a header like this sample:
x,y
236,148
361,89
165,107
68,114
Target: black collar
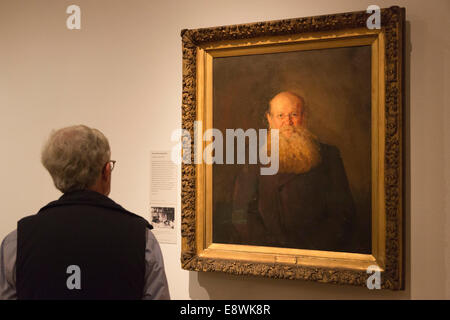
x,y
91,198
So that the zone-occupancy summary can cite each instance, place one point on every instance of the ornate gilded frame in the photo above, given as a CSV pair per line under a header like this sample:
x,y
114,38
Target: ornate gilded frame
x,y
200,46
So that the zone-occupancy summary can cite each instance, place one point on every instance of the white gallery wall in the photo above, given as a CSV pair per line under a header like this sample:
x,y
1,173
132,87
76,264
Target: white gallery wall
x,y
122,73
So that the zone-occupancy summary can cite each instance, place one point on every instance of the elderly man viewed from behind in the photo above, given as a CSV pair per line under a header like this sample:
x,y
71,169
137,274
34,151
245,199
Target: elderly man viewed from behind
x,y
83,245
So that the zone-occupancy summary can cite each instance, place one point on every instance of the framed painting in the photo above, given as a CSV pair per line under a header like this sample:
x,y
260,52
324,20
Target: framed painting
x,y
296,169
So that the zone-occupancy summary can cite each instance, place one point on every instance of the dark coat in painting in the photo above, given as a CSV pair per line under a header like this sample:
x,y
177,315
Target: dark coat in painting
x,y
312,210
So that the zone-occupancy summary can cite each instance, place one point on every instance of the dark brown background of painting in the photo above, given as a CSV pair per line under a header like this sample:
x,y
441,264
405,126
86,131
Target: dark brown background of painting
x,y
336,85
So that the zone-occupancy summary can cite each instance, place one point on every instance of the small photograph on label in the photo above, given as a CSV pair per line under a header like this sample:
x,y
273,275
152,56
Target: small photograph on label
x,y
163,217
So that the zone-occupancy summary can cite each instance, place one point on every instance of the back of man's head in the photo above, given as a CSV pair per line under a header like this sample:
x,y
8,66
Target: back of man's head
x,y
74,156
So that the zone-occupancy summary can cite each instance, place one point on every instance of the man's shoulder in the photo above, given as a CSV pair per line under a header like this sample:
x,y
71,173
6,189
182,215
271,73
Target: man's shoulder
x,y
329,151
26,219
10,241
92,202
140,220
10,237
129,216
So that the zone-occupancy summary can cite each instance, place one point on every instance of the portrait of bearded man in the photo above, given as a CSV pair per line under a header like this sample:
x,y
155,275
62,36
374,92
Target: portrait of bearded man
x,y
308,203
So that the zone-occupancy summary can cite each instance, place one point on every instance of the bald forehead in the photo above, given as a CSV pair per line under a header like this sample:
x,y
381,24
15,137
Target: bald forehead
x,y
286,100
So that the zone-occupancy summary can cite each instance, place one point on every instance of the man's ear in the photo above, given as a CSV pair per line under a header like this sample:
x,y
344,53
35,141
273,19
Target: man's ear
x,y
269,119
105,172
303,116
302,119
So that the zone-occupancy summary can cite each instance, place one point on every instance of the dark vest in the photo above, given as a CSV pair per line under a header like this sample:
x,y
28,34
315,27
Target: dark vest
x,y
88,230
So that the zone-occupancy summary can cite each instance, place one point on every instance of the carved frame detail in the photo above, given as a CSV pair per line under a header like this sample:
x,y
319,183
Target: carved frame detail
x,y
392,27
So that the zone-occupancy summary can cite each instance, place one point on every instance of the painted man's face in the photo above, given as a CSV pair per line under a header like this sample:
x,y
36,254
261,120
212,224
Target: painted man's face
x,y
285,113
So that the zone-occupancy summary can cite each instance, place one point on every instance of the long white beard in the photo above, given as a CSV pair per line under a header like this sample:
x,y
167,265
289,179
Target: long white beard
x,y
299,150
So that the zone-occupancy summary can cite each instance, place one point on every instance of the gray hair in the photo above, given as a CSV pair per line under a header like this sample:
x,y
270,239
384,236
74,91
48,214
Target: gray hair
x,y
74,156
